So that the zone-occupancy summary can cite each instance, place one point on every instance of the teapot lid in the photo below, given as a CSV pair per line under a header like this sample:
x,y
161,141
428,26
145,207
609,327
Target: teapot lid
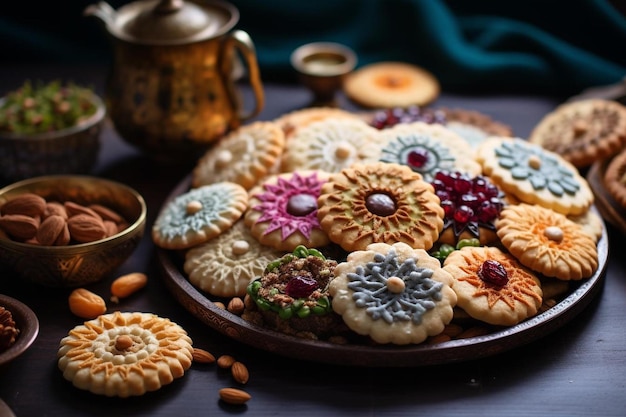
x,y
172,22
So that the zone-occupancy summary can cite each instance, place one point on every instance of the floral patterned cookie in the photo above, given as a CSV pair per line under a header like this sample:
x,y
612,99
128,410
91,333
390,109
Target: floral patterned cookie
x,y
125,354
492,286
243,156
393,293
583,131
379,203
282,211
225,265
428,149
547,242
331,145
297,119
535,175
198,215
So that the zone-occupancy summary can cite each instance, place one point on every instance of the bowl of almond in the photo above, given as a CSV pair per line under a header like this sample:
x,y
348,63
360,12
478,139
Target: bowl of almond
x,y
69,230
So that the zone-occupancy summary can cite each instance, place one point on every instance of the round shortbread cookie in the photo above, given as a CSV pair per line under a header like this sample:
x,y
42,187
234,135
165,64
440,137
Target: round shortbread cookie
x,y
393,293
125,354
427,149
535,175
492,286
379,203
243,156
297,119
615,178
391,84
331,145
547,242
583,131
225,265
282,211
198,215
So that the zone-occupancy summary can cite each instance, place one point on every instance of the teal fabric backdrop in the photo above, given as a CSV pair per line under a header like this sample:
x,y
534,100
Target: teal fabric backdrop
x,y
530,46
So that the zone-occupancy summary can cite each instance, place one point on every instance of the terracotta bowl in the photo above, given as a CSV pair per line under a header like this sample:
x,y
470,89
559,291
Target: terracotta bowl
x,y
27,323
78,264
68,151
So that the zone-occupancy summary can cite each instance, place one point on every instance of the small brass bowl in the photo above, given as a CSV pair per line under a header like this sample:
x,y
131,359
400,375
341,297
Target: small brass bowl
x,y
322,67
68,151
76,264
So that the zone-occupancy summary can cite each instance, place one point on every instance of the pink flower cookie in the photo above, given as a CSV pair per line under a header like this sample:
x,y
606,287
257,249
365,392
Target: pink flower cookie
x,y
282,211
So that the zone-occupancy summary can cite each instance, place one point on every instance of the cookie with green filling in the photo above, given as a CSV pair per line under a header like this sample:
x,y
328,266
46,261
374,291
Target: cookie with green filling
x,y
292,296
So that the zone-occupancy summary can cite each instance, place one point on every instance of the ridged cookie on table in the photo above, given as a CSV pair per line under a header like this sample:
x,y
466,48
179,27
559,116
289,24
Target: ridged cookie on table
x,y
198,215
243,156
125,354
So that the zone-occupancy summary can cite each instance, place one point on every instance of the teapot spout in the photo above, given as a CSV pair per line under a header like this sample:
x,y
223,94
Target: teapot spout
x,y
101,10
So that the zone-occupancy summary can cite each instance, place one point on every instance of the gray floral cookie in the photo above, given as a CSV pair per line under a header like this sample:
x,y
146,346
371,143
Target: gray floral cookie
x,y
198,215
393,293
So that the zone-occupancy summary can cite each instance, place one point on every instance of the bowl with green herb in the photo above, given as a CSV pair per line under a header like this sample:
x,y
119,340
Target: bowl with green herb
x,y
49,128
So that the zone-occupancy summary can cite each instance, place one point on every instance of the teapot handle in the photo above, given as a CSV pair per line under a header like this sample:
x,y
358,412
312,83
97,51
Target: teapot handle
x,y
239,40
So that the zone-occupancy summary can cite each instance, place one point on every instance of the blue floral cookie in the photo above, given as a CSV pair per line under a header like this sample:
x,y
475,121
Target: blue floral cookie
x,y
535,175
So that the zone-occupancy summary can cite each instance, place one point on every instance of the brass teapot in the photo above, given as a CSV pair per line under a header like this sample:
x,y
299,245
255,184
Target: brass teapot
x,y
172,88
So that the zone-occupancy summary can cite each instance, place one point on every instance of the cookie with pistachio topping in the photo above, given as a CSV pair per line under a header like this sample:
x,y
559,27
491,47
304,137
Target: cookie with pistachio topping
x,y
292,296
198,215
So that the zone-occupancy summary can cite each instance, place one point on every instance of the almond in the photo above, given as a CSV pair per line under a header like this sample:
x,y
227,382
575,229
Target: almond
x,y
19,226
240,372
74,209
64,237
28,204
235,306
86,228
50,229
110,227
202,356
106,213
225,361
234,396
55,208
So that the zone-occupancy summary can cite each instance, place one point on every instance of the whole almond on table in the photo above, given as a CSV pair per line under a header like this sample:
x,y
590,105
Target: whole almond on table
x,y
28,204
225,361
202,356
240,372
128,284
85,228
234,396
86,304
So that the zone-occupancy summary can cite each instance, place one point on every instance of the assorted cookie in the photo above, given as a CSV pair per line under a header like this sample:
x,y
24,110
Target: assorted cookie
x,y
394,229
125,354
583,131
391,84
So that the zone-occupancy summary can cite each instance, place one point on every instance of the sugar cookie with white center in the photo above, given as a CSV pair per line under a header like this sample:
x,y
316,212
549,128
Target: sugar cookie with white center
x,y
125,354
547,242
282,212
393,293
331,145
243,156
535,175
427,149
493,286
225,265
198,215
